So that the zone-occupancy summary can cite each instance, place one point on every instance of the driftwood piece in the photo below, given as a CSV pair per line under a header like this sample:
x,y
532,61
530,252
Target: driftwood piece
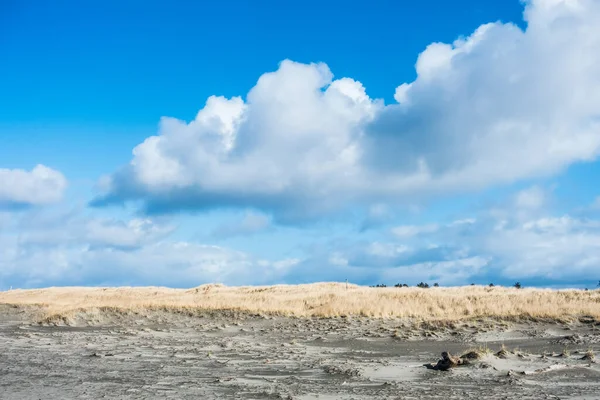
x,y
445,363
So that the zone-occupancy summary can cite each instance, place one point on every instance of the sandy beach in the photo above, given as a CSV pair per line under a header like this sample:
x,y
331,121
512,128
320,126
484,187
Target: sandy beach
x,y
134,353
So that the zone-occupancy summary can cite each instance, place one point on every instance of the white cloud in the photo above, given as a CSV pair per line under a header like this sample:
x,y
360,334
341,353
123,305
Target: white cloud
x,y
526,204
519,241
131,234
502,244
519,238
386,250
497,106
389,263
557,248
43,227
40,248
164,263
250,223
279,150
531,198
41,185
407,231
450,273
500,105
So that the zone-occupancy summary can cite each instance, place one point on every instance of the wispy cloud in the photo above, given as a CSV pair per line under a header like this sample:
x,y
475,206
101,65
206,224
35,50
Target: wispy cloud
x,y
405,231
249,224
65,248
504,242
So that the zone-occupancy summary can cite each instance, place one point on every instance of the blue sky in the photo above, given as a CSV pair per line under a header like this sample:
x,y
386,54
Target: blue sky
x,y
154,143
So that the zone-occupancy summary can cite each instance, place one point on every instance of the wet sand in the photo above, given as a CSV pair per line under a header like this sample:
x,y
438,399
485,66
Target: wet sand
x,y
240,356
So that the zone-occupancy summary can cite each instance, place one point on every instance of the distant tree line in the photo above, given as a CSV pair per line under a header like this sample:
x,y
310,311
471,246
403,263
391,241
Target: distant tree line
x,y
425,285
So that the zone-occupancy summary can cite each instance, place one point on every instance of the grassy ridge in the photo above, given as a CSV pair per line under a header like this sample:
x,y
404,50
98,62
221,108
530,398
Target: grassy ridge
x,y
322,300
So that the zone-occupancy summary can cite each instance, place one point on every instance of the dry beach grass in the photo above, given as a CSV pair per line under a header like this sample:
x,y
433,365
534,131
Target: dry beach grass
x,y
218,342
318,300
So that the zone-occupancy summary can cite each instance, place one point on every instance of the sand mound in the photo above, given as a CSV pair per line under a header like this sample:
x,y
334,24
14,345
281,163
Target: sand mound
x,y
322,300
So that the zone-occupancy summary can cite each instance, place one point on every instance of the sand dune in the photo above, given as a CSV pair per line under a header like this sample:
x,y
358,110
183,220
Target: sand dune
x,y
218,342
320,300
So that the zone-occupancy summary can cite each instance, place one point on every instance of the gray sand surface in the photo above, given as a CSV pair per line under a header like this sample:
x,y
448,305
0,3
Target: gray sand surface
x,y
237,356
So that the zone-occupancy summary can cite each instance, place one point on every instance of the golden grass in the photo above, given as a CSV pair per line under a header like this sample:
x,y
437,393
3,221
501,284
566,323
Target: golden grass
x,y
322,300
589,355
476,353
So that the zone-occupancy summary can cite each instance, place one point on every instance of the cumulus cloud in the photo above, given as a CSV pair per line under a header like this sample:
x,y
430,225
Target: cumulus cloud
x,y
496,106
282,150
41,185
499,105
